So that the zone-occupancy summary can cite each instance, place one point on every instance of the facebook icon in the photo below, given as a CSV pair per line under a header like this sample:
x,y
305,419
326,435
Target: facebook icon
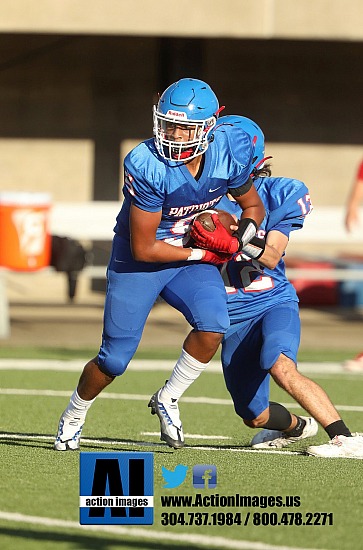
x,y
204,476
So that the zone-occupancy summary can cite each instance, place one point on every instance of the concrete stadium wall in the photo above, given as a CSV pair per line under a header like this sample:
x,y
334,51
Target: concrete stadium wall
x,y
64,168
68,103
61,167
310,19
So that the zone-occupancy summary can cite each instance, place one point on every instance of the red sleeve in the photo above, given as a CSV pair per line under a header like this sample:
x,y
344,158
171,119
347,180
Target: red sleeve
x,y
360,171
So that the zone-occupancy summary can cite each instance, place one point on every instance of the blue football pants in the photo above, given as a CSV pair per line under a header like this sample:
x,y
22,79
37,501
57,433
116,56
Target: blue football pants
x,y
251,348
194,289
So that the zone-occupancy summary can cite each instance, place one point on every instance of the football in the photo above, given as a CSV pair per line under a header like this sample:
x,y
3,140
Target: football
x,y
226,219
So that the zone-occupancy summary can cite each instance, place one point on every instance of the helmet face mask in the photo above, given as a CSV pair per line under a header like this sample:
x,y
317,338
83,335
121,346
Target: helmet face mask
x,y
184,118
193,135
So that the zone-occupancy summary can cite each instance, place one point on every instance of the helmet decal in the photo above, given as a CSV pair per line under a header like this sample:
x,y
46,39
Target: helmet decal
x,y
177,114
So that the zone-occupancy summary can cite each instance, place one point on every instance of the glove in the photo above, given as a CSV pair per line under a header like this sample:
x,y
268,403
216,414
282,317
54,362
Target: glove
x,y
216,258
218,240
255,248
246,231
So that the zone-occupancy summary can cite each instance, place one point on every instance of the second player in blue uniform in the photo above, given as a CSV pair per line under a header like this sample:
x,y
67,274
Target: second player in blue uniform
x,y
263,338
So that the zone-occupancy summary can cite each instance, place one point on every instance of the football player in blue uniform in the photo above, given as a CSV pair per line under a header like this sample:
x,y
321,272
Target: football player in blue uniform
x,y
264,334
182,171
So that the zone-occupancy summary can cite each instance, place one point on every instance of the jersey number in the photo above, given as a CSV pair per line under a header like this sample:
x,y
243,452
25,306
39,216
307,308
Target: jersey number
x,y
251,277
305,205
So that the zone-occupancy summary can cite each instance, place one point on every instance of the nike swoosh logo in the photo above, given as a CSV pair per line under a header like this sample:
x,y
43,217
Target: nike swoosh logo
x,y
216,189
119,261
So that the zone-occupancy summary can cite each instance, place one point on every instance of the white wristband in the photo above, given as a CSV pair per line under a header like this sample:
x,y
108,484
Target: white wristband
x,y
195,254
253,252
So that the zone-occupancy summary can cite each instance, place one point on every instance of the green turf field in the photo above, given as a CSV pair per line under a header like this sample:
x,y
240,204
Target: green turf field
x,y
39,495
44,352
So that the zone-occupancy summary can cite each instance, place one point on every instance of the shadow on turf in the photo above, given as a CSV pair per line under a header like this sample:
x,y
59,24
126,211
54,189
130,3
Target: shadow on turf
x,y
30,440
105,444
88,542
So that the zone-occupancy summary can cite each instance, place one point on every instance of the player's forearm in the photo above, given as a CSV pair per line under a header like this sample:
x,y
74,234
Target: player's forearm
x,y
160,252
352,209
251,205
270,257
356,195
267,254
255,212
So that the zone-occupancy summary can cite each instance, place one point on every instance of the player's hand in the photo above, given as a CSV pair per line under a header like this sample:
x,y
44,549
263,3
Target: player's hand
x,y
218,240
216,258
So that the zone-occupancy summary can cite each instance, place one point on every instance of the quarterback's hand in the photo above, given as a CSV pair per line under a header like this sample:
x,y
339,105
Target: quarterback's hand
x,y
218,240
216,258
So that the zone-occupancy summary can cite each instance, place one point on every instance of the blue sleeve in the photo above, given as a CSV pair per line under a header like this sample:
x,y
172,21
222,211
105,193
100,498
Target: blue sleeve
x,y
284,228
143,182
289,206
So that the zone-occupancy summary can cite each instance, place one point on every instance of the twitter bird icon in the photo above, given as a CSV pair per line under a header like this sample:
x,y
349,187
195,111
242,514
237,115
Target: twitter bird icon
x,y
174,478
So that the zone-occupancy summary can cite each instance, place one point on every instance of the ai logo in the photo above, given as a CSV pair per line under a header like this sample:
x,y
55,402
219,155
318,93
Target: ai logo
x,y
204,476
116,488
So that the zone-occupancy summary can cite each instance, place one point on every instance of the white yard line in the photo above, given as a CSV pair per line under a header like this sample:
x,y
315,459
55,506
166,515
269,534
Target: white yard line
x,y
148,365
192,436
148,533
140,397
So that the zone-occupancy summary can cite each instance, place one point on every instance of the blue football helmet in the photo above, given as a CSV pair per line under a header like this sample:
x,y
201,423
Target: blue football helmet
x,y
184,117
256,134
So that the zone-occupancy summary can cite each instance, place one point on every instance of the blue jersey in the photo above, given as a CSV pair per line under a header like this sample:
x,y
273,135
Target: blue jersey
x,y
157,185
252,288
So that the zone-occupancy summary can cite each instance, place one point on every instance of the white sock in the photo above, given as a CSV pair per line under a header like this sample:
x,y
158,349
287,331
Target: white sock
x,y
78,406
186,370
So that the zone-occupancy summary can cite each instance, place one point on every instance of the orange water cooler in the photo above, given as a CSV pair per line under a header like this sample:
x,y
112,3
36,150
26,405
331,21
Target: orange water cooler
x,y
25,241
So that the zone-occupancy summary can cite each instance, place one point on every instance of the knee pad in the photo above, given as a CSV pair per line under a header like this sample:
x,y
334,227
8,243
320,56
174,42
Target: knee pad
x,y
112,366
116,353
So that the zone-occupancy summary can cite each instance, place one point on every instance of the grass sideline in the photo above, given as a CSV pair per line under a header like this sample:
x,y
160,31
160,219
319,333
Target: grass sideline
x,y
38,482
